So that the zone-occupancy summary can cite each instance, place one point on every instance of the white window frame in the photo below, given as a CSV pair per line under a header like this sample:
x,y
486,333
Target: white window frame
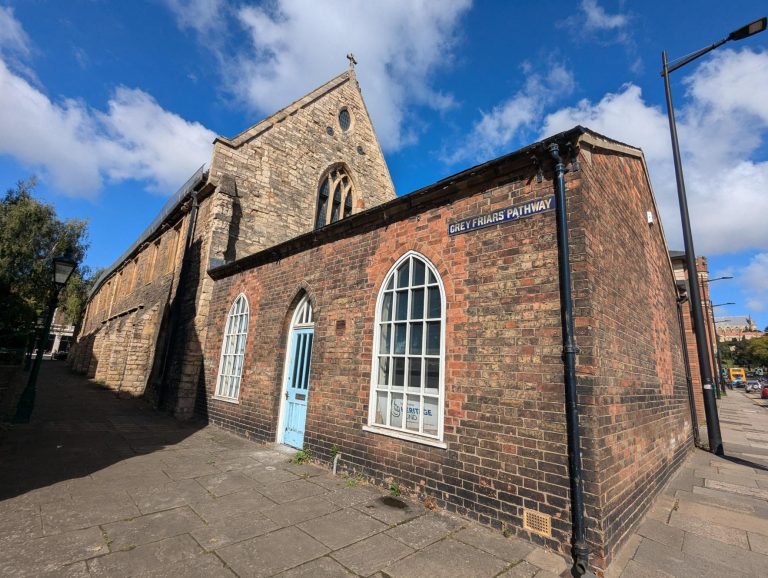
x,y
238,357
403,433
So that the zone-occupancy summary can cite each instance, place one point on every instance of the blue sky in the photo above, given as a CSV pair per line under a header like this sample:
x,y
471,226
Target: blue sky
x,y
114,104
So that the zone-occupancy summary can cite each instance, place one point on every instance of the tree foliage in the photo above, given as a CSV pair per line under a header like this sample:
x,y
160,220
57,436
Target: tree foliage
x,y
745,353
31,235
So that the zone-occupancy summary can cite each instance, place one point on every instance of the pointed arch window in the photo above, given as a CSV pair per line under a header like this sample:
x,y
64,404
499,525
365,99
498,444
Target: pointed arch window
x,y
335,198
233,351
408,373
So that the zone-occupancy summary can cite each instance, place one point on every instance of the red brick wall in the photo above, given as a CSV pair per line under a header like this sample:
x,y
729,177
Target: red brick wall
x,y
638,399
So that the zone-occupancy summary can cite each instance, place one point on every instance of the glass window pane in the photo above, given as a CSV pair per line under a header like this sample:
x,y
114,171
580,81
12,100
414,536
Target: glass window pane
x,y
386,338
398,376
386,307
432,278
400,330
391,282
402,274
417,332
396,410
383,370
412,415
418,272
414,372
433,309
433,338
417,304
432,378
380,415
401,311
430,415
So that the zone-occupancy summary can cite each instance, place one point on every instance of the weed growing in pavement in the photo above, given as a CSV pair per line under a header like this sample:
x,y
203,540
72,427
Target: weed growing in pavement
x,y
302,456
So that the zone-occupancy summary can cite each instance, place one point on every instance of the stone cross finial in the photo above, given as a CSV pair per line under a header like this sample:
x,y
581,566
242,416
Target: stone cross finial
x,y
352,61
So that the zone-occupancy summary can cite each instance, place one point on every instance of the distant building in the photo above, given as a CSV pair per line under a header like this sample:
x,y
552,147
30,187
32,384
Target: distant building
x,y
61,335
738,328
288,295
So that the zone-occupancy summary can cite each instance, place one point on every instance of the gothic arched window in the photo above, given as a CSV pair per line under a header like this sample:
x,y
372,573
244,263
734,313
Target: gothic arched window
x,y
334,199
233,350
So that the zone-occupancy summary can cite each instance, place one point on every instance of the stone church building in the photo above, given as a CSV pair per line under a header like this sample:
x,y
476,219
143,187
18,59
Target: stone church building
x,y
289,295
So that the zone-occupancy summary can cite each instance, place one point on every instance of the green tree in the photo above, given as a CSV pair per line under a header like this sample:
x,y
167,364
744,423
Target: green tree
x,y
31,234
74,296
757,349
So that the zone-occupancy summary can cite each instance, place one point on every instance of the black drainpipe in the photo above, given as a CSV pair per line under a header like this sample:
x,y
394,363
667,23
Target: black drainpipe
x,y
173,321
579,548
683,298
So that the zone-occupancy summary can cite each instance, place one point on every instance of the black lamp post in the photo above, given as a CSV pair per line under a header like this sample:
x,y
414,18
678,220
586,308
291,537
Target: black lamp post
x,y
710,405
63,267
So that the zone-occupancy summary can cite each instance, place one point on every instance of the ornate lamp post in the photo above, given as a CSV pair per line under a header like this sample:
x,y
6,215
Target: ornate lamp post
x,y
63,267
710,404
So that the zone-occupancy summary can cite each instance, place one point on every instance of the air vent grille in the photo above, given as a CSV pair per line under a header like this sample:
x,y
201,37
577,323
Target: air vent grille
x,y
537,522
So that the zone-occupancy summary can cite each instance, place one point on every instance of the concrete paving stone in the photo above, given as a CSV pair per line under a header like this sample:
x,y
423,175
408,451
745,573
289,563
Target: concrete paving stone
x,y
342,528
225,483
736,502
321,568
171,495
51,553
731,478
353,495
76,570
546,574
202,566
762,484
520,570
146,558
734,558
330,482
232,505
274,457
151,528
636,570
267,474
184,471
425,530
547,560
725,517
448,559
305,471
655,556
709,529
22,524
290,491
685,481
758,543
623,556
736,489
372,554
301,510
390,511
234,463
37,497
232,530
662,533
508,549
84,512
272,553
132,478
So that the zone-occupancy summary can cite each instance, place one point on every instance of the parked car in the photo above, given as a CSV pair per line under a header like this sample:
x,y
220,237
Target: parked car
x,y
752,385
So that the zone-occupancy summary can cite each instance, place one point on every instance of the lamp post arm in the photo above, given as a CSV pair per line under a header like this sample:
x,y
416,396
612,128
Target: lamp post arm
x,y
691,57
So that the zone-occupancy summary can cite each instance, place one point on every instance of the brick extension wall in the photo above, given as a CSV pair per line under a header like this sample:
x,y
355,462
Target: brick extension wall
x,y
505,423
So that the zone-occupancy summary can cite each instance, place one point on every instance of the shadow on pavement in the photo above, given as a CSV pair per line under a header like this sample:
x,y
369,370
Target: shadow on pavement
x,y
78,428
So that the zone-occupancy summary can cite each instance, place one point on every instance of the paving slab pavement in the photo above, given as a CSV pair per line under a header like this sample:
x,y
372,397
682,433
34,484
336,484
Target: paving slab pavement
x,y
100,486
712,518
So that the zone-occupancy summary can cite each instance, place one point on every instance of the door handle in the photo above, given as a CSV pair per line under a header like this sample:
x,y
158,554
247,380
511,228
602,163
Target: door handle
x,y
286,395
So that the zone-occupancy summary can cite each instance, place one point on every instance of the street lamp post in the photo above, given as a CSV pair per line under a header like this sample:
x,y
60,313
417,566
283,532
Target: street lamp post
x,y
63,267
710,405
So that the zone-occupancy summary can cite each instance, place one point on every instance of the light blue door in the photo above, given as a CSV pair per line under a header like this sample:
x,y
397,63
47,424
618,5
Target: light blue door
x,y
297,387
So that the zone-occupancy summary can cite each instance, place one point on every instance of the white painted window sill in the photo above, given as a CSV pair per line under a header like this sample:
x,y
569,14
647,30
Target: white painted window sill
x,y
226,399
404,436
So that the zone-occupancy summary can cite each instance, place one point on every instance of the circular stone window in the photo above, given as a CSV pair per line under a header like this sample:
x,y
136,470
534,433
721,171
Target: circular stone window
x,y
345,119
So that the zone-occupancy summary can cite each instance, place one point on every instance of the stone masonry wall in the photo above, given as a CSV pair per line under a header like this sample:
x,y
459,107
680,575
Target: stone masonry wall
x,y
641,427
278,164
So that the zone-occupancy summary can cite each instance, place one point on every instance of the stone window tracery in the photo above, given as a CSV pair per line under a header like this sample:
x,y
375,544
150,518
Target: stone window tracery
x,y
335,198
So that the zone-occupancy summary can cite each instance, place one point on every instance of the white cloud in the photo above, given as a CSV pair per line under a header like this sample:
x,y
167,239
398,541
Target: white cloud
x,y
77,148
753,281
505,123
298,45
12,35
596,18
723,124
201,16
